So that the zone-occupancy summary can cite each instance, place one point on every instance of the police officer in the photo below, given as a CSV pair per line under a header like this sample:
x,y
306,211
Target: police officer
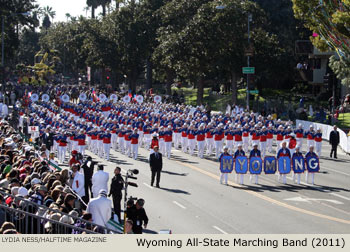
x,y
117,185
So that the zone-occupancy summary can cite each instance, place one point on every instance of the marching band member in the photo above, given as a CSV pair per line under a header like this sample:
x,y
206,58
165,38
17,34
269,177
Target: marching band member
x,y
107,143
191,139
127,140
299,132
218,136
209,139
318,142
229,139
184,141
311,153
279,137
154,142
161,134
121,137
168,139
297,153
263,138
147,134
93,145
269,138
135,143
292,144
81,142
100,135
310,135
200,135
245,137
255,153
283,152
224,176
177,134
62,147
255,135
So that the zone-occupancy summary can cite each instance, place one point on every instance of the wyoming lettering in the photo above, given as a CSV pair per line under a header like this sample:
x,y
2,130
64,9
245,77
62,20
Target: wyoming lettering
x,y
209,242
54,239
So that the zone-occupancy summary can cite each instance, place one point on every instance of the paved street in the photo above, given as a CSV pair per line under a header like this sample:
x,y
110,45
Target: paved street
x,y
191,199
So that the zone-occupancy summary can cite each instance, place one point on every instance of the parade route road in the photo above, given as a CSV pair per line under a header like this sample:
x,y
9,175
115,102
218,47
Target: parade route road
x,y
191,199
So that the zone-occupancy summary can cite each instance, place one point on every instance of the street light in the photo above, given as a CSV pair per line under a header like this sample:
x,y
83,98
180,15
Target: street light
x,y
3,44
250,19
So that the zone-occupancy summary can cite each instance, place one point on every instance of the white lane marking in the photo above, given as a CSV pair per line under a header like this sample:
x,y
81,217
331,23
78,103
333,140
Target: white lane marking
x,y
340,196
219,229
147,185
178,204
301,199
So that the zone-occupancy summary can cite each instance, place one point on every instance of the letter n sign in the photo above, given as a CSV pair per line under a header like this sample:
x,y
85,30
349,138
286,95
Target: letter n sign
x,y
298,164
226,165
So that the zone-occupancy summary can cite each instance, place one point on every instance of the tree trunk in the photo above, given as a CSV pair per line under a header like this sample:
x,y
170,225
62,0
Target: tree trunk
x,y
200,91
92,75
103,77
234,87
169,81
103,10
149,74
92,12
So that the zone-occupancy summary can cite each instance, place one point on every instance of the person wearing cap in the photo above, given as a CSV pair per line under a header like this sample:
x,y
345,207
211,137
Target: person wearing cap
x,y
318,142
229,133
255,152
310,136
218,134
168,140
99,181
81,142
106,140
147,134
279,137
239,151
334,140
156,165
224,176
184,141
121,144
100,135
299,136
135,143
209,141
310,153
297,153
154,142
200,135
161,140
127,141
263,139
93,143
283,152
177,133
39,194
100,208
62,147
191,139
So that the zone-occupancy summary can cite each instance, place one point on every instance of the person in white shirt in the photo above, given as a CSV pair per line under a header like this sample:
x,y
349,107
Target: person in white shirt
x,y
78,181
99,181
100,208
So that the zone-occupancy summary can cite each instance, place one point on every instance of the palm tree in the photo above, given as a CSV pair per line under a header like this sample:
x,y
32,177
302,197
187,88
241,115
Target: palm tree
x,y
103,3
47,11
86,9
93,4
68,16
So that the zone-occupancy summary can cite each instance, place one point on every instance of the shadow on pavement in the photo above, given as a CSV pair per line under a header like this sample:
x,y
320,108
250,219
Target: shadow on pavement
x,y
147,231
174,173
180,159
119,162
174,190
338,160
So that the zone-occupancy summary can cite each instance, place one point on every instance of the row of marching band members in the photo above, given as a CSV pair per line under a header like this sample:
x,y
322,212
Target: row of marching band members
x,y
284,151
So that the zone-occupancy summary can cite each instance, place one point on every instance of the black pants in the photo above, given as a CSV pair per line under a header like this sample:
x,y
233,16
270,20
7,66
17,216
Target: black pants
x,y
155,173
116,203
334,150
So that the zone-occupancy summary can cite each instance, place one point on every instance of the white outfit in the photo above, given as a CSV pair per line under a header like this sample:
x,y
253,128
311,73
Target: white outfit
x,y
100,209
99,181
78,184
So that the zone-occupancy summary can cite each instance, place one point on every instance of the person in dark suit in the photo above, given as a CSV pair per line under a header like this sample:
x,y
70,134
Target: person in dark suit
x,y
334,140
117,186
156,164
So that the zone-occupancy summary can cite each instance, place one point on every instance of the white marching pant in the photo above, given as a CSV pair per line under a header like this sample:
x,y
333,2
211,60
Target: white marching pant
x,y
147,140
140,138
62,153
200,145
298,177
310,142
229,144
269,145
93,146
224,176
81,149
300,143
106,150
278,142
263,149
210,145
255,142
318,148
184,144
312,177
135,150
128,148
100,148
177,140
161,146
75,145
168,148
191,145
218,148
121,145
245,144
114,141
